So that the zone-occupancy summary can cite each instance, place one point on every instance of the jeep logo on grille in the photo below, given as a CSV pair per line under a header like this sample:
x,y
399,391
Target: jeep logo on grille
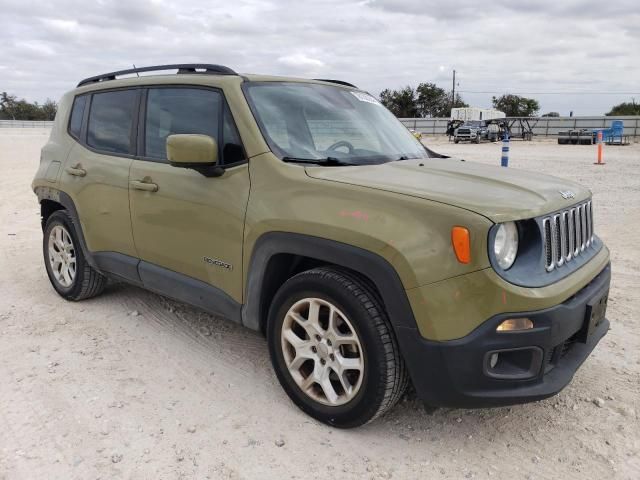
x,y
567,194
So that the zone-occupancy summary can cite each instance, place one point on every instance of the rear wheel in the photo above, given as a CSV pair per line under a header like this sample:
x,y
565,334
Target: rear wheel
x,y
70,274
333,349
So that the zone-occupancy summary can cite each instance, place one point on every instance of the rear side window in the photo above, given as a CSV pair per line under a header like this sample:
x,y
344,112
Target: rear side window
x,y
200,111
77,114
110,121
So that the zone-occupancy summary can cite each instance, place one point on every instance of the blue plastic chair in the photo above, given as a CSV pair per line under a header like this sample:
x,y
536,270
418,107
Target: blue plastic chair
x,y
616,131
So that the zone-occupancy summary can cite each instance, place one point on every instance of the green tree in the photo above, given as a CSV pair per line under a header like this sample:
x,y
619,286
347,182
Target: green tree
x,y
386,98
49,109
402,103
516,106
24,110
432,101
625,108
427,100
13,109
7,106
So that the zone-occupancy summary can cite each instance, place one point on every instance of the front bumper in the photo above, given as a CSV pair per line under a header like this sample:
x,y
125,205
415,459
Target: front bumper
x,y
540,361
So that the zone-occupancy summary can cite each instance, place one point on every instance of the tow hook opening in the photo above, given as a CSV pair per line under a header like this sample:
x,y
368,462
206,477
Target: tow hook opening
x,y
514,363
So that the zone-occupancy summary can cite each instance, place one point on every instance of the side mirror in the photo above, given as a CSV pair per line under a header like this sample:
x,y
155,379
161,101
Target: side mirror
x,y
198,152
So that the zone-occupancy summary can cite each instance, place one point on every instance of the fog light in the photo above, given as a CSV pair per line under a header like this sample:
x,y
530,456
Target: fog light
x,y
514,324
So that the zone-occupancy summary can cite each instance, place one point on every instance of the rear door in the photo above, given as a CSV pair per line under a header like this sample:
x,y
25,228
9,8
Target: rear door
x,y
96,174
191,226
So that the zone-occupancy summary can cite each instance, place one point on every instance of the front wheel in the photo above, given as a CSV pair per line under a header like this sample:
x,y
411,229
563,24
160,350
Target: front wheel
x,y
333,349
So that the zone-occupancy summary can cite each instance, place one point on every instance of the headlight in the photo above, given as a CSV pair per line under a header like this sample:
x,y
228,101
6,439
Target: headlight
x,y
505,245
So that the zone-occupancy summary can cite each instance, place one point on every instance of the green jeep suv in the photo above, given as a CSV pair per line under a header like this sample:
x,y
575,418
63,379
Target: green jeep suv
x,y
305,210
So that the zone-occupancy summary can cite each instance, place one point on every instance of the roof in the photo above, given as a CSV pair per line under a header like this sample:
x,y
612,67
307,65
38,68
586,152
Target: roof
x,y
202,74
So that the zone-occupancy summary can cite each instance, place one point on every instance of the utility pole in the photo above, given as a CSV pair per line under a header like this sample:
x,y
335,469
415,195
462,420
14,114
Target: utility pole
x,y
453,91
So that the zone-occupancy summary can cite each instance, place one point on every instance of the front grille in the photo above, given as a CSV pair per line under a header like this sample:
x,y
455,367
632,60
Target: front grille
x,y
567,234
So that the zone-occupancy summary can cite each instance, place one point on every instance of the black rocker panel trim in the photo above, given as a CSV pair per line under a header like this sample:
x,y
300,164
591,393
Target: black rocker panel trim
x,y
188,290
122,266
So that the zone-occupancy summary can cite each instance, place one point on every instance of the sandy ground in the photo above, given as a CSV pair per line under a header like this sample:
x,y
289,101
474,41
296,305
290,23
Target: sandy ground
x,y
131,385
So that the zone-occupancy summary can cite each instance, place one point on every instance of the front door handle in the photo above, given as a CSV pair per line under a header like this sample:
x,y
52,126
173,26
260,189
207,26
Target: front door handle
x,y
76,171
146,186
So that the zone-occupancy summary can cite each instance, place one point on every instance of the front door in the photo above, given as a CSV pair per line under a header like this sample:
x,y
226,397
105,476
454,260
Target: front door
x,y
189,225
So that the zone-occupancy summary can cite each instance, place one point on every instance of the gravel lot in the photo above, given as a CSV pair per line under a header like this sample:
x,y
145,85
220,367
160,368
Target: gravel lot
x,y
132,385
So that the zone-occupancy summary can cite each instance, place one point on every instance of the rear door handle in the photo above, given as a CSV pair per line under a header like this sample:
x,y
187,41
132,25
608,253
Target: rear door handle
x,y
146,186
76,171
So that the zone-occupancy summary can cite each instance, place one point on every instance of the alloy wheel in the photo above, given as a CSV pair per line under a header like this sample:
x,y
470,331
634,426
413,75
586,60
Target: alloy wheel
x,y
322,351
62,256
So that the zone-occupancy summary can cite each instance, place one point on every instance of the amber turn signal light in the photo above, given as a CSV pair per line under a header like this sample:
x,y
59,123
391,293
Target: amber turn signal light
x,y
515,324
461,242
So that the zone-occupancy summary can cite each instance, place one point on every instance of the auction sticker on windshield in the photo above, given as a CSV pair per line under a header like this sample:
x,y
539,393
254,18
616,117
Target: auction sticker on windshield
x,y
365,97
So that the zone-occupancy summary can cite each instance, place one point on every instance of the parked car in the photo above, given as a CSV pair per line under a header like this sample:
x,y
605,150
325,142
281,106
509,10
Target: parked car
x,y
476,131
305,210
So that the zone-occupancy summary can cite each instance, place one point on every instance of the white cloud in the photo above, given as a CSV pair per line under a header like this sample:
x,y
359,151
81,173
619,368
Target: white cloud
x,y
501,46
60,24
300,60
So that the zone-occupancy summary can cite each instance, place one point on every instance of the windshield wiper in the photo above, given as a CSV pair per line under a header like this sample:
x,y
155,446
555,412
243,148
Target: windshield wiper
x,y
328,161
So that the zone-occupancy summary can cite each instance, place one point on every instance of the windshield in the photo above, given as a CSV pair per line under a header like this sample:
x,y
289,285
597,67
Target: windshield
x,y
316,122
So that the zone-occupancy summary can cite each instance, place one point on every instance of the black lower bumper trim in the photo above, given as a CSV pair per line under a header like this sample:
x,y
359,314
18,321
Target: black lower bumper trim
x,y
454,373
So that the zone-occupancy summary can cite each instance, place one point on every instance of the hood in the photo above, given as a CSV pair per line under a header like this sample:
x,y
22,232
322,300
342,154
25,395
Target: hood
x,y
500,194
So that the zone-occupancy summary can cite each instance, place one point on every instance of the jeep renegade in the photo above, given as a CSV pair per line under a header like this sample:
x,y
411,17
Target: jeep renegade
x,y
305,210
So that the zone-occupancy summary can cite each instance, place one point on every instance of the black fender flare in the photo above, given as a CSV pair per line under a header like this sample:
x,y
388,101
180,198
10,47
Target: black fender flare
x,y
377,269
48,193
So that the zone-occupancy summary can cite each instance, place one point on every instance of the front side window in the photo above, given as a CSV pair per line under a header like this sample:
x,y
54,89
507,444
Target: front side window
x,y
110,121
173,111
77,114
315,122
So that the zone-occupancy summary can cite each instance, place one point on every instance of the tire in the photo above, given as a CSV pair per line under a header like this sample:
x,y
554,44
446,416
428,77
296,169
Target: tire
x,y
455,140
361,322
61,247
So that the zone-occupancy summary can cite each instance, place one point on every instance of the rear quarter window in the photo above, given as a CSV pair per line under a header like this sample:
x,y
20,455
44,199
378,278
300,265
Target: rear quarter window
x,y
77,114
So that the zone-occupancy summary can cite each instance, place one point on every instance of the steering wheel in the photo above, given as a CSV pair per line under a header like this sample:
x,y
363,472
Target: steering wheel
x,y
341,143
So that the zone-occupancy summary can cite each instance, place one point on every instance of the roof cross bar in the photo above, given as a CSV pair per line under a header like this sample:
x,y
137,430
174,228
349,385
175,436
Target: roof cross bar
x,y
203,68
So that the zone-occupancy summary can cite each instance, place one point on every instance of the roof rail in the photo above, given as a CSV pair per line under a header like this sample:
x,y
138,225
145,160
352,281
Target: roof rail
x,y
339,82
181,67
